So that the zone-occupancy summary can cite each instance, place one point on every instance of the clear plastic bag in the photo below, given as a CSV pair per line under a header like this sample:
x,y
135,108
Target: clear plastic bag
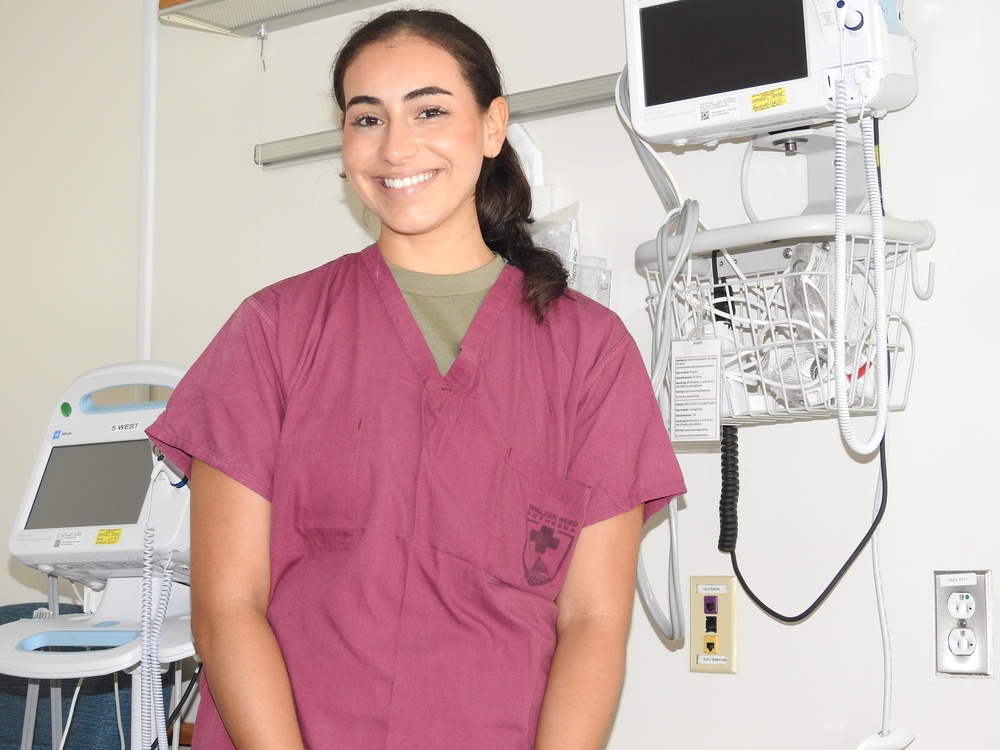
x,y
586,274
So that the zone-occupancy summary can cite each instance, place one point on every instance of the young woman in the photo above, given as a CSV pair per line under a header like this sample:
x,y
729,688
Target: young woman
x,y
419,472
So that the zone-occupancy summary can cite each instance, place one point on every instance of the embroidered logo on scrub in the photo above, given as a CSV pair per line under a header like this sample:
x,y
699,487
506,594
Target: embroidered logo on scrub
x,y
549,540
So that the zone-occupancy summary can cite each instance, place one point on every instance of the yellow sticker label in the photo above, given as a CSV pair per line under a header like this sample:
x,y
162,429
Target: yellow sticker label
x,y
109,536
768,99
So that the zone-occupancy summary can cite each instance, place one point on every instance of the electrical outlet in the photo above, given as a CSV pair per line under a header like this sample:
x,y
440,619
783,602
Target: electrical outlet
x,y
713,624
963,636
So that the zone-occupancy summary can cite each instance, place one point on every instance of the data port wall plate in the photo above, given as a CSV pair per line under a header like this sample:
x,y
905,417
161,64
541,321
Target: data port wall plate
x,y
964,633
713,633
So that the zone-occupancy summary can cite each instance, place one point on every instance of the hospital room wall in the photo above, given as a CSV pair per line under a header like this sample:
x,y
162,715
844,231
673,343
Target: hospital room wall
x,y
224,229
70,83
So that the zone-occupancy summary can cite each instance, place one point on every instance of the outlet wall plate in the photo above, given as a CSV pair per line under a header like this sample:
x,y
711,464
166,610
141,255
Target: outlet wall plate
x,y
963,638
713,634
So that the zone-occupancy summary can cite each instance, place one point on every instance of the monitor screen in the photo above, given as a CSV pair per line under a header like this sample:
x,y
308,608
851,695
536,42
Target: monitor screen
x,y
100,484
695,48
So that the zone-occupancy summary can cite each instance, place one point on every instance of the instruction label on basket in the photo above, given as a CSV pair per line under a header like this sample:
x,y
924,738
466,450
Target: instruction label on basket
x,y
694,389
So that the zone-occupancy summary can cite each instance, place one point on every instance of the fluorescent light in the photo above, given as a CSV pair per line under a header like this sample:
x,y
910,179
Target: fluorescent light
x,y
246,17
550,101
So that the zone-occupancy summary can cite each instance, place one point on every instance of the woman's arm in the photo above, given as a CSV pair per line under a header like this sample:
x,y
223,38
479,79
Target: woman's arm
x,y
595,608
230,583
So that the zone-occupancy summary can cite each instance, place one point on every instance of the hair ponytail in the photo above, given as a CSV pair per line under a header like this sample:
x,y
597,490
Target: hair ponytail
x,y
503,203
503,195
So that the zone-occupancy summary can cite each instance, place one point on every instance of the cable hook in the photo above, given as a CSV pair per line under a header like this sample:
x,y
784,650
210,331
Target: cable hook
x,y
925,293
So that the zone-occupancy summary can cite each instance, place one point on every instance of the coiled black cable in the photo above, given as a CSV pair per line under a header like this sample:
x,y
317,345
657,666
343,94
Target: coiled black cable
x,y
728,524
730,495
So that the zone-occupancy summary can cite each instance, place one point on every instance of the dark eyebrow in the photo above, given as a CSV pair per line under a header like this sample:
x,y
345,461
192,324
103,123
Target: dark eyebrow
x,y
370,100
426,91
374,101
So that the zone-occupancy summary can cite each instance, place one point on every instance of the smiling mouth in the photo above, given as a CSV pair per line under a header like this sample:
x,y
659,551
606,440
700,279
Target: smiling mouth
x,y
405,182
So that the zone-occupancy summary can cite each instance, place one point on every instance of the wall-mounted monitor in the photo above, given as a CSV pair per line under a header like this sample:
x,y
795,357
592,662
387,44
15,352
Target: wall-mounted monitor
x,y
701,71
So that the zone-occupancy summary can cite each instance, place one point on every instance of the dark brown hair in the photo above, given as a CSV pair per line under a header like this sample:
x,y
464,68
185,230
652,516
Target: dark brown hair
x,y
503,195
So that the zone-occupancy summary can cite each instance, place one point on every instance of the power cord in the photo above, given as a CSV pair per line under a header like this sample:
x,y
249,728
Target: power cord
x,y
729,525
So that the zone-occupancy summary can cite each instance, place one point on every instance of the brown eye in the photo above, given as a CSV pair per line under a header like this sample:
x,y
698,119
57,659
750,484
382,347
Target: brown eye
x,y
429,112
366,121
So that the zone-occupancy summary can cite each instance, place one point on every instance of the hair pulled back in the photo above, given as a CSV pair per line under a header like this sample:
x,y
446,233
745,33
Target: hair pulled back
x,y
503,195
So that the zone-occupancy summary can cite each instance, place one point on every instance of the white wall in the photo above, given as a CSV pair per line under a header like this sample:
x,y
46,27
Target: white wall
x,y
69,175
68,222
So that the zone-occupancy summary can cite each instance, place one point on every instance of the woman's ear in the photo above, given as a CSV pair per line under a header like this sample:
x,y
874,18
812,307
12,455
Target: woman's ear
x,y
495,127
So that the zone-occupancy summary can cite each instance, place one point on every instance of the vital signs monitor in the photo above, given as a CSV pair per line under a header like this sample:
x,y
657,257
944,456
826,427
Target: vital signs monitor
x,y
98,483
700,71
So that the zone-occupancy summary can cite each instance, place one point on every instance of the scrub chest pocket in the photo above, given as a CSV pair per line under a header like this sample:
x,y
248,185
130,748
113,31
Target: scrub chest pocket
x,y
330,513
537,519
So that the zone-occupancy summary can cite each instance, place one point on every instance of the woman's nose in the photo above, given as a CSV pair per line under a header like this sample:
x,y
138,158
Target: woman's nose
x,y
399,143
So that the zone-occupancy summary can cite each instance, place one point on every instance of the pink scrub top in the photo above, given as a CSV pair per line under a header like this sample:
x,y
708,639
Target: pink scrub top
x,y
422,525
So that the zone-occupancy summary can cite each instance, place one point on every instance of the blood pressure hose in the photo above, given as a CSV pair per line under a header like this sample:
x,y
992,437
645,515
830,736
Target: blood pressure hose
x,y
840,368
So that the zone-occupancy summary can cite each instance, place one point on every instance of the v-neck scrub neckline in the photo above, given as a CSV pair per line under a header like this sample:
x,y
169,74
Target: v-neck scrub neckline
x,y
499,296
444,305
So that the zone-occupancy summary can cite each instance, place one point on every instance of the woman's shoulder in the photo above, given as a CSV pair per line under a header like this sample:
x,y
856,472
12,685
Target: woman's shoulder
x,y
575,313
309,286
588,335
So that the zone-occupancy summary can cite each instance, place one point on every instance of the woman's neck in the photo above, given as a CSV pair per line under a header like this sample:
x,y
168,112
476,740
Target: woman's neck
x,y
435,256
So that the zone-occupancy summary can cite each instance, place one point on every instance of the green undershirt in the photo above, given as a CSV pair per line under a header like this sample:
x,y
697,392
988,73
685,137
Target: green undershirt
x,y
445,304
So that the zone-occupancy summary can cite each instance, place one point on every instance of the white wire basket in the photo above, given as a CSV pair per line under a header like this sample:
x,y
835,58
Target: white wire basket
x,y
766,292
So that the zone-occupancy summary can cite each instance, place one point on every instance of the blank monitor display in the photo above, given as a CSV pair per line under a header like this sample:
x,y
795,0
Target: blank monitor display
x,y
101,484
695,48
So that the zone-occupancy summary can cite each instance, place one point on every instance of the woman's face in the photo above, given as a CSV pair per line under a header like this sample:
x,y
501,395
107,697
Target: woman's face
x,y
414,139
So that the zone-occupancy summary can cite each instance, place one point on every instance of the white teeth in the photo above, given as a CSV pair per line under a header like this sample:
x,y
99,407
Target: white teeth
x,y
406,182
